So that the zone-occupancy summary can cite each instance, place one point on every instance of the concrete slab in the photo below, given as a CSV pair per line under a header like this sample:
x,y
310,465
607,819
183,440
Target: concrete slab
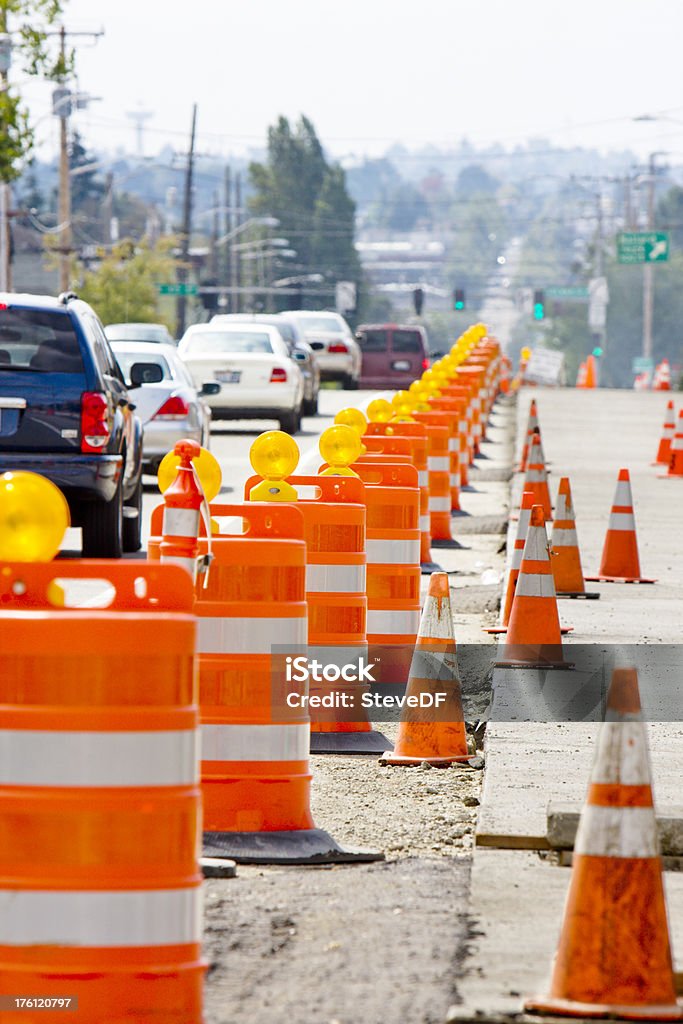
x,y
563,821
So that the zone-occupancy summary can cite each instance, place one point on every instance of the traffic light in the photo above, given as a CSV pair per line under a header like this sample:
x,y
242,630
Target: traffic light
x,y
539,304
597,351
459,299
418,300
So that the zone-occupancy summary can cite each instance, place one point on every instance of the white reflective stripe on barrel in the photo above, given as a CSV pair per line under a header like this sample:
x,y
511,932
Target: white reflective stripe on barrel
x,y
621,521
398,623
424,524
439,504
248,636
189,564
438,463
393,552
453,444
66,758
331,579
535,585
622,495
422,478
564,538
157,917
180,522
617,832
256,742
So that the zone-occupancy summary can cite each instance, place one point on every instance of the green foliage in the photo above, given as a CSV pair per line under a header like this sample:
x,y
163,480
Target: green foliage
x,y
402,209
124,286
36,54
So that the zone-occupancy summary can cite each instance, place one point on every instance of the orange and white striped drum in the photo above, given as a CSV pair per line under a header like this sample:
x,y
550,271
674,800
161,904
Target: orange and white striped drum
x,y
100,817
439,426
416,433
393,553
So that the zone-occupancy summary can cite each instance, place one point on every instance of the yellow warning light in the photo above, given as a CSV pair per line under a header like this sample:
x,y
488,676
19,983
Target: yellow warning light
x,y
353,418
340,446
525,354
380,411
274,455
206,466
34,516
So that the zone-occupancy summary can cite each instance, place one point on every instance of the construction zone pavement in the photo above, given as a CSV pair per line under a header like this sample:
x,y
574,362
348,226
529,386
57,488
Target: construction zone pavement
x,y
517,889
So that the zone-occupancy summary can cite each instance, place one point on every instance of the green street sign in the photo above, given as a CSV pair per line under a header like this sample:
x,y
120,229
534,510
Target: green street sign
x,y
643,246
643,364
178,289
570,291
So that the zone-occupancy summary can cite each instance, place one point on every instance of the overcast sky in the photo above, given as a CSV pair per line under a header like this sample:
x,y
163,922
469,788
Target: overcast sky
x,y
373,72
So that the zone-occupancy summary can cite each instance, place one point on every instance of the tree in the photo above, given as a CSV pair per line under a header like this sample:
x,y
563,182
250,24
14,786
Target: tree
x,y
474,180
30,40
124,286
85,184
332,248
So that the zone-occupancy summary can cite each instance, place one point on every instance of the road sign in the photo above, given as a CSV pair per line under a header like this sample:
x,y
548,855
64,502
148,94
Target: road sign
x,y
180,288
576,292
643,364
643,246
546,366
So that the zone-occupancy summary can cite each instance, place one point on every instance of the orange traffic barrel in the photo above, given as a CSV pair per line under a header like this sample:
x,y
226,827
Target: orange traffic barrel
x,y
416,433
100,817
461,394
393,554
334,531
439,429
457,445
255,723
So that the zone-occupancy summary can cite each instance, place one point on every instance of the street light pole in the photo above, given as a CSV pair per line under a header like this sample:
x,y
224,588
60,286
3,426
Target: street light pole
x,y
648,270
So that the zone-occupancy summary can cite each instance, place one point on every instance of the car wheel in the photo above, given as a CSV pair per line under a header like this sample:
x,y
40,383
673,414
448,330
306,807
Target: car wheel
x,y
290,422
132,523
310,406
350,383
103,527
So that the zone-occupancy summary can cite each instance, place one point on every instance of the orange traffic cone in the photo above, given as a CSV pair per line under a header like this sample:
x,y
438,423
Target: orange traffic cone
x,y
533,633
532,425
620,562
536,477
591,374
614,956
676,452
581,376
517,553
664,450
432,727
564,546
182,511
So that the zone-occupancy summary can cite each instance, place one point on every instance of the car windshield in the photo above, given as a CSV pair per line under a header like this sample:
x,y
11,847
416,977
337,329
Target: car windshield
x,y
39,340
223,342
137,332
328,324
126,360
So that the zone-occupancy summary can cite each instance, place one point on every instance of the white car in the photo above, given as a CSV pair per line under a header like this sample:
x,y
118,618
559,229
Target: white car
x,y
251,364
166,401
336,349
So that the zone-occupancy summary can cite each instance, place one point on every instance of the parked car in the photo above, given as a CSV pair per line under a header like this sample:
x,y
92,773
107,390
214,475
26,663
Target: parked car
x,y
170,408
331,339
65,412
251,364
157,333
394,355
298,347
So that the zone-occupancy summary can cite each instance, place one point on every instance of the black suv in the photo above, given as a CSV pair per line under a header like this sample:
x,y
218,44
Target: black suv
x,y
65,413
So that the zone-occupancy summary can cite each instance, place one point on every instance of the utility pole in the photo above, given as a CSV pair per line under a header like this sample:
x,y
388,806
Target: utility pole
x,y
5,246
64,215
214,235
182,275
227,228
648,277
235,258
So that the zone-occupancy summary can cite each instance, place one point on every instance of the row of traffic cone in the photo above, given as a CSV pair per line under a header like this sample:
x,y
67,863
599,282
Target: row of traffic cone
x,y
670,449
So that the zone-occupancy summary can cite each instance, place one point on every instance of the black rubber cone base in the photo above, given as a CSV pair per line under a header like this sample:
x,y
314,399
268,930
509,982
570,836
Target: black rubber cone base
x,y
349,742
460,512
448,543
427,568
300,846
585,594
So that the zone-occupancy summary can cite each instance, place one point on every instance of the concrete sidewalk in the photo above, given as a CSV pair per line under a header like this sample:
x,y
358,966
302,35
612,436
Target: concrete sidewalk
x,y
517,893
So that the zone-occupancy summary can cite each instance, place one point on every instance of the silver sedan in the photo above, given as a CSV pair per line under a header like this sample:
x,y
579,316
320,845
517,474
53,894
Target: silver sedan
x,y
170,408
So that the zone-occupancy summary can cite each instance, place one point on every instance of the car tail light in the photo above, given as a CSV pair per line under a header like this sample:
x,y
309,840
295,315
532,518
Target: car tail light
x,y
278,375
174,408
425,364
95,425
337,347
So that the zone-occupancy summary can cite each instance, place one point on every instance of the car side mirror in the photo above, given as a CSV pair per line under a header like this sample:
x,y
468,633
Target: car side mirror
x,y
301,356
210,387
145,373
